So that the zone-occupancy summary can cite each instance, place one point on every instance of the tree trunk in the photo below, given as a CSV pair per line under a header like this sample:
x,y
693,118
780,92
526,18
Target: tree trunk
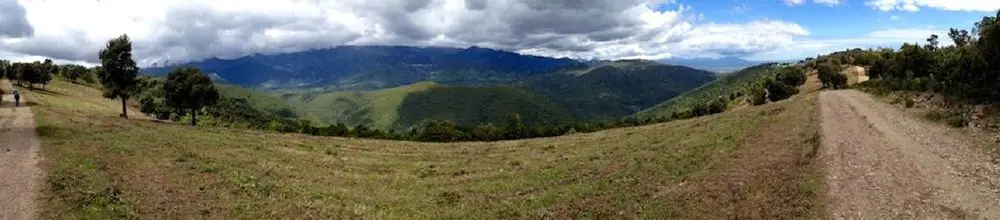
x,y
124,108
194,117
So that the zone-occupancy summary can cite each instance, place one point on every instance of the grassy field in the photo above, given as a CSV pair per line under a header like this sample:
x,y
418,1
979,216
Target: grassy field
x,y
747,163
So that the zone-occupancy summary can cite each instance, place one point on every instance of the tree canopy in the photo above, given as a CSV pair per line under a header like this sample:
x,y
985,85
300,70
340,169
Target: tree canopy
x,y
189,88
118,77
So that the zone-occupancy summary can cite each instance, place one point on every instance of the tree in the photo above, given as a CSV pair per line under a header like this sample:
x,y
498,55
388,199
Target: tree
x,y
4,68
72,72
756,94
118,77
29,72
960,37
932,43
791,76
777,90
515,127
486,132
189,88
829,75
92,74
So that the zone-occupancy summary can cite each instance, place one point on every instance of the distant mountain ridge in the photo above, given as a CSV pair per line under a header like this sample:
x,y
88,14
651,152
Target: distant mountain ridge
x,y
720,65
375,67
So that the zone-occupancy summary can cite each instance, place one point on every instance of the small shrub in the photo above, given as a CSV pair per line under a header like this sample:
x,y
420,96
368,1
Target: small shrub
x,y
957,121
447,198
934,115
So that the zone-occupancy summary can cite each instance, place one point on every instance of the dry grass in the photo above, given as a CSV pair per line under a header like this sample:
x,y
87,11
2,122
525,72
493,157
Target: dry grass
x,y
749,163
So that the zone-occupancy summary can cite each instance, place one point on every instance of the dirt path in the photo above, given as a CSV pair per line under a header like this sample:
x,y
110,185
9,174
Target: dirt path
x,y
19,173
884,164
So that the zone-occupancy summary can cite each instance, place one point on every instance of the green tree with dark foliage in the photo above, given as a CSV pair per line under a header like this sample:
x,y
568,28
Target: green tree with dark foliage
x,y
4,68
791,76
515,127
189,88
756,94
72,72
777,90
119,72
829,75
45,74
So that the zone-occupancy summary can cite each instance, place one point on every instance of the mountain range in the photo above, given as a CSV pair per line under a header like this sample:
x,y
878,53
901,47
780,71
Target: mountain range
x,y
375,67
394,87
720,65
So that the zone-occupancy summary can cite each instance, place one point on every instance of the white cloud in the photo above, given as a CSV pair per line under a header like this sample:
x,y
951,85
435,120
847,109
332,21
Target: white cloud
x,y
183,30
822,2
950,5
794,2
888,38
828,2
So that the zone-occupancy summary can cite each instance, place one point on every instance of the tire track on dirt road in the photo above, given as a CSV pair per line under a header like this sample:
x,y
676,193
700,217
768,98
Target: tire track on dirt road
x,y
883,164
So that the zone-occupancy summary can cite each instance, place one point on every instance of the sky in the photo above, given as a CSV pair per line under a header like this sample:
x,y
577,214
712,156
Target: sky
x,y
175,31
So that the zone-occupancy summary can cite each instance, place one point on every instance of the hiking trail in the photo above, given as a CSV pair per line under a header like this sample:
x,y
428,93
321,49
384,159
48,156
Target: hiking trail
x,y
885,164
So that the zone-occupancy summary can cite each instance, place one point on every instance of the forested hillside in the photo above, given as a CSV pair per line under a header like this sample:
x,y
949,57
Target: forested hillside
x,y
617,89
729,87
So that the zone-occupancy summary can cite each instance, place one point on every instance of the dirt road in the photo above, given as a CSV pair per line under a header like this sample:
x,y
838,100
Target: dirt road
x,y
884,164
19,173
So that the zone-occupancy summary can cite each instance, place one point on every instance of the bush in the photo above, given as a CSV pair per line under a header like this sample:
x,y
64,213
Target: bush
x,y
957,121
777,91
935,115
756,94
791,76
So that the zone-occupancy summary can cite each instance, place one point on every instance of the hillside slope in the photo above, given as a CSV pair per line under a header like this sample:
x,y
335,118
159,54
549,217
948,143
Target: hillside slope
x,y
405,106
260,100
720,88
618,88
748,163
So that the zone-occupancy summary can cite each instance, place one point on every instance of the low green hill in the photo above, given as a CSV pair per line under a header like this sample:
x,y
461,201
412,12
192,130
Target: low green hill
x,y
720,88
617,89
405,106
260,100
379,109
471,106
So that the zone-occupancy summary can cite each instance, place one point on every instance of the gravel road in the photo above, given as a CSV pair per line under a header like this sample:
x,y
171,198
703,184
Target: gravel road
x,y
885,164
19,172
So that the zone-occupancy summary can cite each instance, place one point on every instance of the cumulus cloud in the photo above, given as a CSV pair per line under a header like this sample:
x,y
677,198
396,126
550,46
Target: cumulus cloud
x,y
950,5
185,30
885,38
15,23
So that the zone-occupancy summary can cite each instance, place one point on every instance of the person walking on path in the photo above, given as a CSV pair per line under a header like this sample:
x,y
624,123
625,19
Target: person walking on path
x,y
17,98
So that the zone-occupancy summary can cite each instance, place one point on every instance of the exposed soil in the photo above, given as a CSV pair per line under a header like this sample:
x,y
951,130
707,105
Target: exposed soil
x,y
19,173
883,164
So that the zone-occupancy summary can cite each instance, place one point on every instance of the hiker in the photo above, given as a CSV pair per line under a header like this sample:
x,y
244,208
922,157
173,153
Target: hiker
x,y
17,98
